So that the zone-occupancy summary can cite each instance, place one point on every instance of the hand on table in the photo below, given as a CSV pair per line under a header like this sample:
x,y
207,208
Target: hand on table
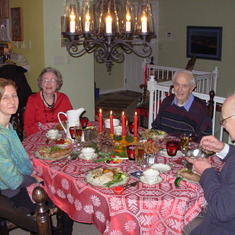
x,y
211,143
200,164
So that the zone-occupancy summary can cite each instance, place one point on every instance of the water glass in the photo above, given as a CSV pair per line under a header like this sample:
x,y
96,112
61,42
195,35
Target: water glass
x,y
139,156
131,152
184,141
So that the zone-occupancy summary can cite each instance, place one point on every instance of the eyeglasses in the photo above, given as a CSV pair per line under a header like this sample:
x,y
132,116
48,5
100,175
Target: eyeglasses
x,y
224,120
47,80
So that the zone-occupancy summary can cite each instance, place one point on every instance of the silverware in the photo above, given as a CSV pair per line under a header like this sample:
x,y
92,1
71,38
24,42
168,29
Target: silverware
x,y
89,170
131,184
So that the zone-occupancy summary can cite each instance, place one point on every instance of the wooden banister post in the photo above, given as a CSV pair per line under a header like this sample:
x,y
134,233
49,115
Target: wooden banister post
x,y
42,215
211,103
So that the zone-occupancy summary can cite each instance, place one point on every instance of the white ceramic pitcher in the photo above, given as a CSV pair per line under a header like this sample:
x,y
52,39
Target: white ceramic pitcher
x,y
73,119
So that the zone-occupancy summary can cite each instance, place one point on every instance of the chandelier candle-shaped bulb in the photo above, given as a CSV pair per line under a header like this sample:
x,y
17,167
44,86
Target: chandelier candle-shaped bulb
x,y
87,22
123,124
135,125
111,122
100,121
128,22
144,23
108,21
72,22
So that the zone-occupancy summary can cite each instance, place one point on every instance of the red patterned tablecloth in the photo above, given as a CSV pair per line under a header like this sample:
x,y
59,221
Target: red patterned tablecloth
x,y
161,209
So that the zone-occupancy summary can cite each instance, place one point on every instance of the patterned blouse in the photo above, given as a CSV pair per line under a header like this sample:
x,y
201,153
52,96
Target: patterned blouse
x,y
14,161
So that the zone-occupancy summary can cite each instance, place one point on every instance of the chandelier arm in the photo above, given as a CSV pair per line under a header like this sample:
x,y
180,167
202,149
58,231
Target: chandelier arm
x,y
129,47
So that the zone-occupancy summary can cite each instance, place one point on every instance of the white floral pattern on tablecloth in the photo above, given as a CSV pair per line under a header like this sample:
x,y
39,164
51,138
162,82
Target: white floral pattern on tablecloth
x,y
144,209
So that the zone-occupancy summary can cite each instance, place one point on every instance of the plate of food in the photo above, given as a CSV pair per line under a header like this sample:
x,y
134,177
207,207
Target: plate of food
x,y
113,162
106,177
188,175
63,143
52,153
153,134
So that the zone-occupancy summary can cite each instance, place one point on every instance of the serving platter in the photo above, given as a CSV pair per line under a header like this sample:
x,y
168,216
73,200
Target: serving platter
x,y
38,155
153,134
189,180
98,178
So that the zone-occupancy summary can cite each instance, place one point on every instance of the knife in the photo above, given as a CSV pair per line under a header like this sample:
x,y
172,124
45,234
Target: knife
x,y
89,170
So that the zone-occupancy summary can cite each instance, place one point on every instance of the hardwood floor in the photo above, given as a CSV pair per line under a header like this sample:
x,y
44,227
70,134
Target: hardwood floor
x,y
118,102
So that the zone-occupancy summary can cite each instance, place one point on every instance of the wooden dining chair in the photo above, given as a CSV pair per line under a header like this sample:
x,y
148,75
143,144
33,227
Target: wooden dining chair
x,y
43,216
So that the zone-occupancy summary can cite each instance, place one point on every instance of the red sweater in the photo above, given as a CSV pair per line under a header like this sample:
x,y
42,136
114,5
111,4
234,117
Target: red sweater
x,y
36,113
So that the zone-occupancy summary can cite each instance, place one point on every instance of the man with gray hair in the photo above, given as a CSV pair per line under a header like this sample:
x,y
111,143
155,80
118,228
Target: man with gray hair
x,y
219,188
182,112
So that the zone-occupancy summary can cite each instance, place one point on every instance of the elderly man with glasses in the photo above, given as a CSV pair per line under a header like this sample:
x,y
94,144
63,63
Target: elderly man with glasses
x,y
219,188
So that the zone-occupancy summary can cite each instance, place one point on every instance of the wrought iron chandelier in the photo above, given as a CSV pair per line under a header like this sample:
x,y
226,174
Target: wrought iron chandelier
x,y
108,28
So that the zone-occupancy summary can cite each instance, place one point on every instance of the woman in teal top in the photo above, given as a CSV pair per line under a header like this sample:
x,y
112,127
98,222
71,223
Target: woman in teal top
x,y
15,167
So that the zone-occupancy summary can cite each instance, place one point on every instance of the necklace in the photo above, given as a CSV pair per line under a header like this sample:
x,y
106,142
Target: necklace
x,y
50,106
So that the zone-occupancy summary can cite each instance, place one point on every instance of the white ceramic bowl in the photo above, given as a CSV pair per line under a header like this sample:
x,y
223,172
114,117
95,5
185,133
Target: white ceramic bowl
x,y
151,175
87,152
116,122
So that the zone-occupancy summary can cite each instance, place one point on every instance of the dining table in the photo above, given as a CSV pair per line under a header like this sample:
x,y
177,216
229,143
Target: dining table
x,y
162,208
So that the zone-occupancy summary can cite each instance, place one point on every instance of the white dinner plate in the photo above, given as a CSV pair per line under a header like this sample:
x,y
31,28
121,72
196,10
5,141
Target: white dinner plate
x,y
161,167
143,180
91,157
164,153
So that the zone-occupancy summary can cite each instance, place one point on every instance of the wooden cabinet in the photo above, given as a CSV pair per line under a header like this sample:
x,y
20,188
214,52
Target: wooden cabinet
x,y
4,9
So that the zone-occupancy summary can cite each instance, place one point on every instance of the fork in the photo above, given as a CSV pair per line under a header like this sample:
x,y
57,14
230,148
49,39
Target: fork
x,y
131,184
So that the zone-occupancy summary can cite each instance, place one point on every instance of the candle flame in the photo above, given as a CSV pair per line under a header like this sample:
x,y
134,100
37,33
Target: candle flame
x,y
109,19
88,17
72,16
100,110
143,18
135,113
123,113
128,17
111,112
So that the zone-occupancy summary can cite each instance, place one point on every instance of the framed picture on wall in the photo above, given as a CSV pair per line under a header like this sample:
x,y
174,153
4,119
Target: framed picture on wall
x,y
204,42
16,24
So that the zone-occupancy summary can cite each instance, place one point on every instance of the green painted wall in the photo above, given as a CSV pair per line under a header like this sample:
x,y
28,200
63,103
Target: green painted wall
x,y
41,25
174,16
32,23
108,81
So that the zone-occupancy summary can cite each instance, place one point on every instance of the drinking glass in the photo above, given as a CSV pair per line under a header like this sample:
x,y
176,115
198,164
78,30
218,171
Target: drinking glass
x,y
140,155
78,133
72,132
84,121
172,147
131,153
184,141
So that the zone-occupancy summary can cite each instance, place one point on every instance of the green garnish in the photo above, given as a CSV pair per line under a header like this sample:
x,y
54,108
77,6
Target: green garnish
x,y
116,179
177,181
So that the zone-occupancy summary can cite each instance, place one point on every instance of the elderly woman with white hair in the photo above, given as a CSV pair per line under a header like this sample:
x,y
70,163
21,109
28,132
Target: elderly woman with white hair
x,y
44,106
182,112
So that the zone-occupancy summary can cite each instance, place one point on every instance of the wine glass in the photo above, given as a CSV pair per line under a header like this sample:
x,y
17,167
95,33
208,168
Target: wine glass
x,y
72,132
131,153
78,133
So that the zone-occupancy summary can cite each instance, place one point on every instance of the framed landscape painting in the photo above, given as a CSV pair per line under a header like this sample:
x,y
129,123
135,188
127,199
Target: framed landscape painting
x,y
204,42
